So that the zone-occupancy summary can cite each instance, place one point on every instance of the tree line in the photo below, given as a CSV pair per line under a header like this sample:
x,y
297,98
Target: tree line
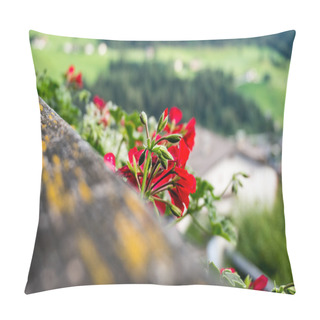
x,y
210,96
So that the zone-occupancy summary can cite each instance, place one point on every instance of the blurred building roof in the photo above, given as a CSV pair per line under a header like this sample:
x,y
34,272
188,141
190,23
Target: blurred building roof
x,y
210,148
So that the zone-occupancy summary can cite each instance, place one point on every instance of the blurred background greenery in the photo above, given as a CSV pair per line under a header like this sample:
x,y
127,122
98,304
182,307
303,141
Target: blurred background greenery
x,y
225,84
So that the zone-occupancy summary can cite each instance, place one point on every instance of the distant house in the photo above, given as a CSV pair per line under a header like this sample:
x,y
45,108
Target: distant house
x,y
217,158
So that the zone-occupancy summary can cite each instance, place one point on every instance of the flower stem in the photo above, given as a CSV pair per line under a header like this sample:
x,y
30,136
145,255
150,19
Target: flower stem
x,y
225,189
145,174
169,172
119,148
153,173
162,188
177,220
155,208
196,222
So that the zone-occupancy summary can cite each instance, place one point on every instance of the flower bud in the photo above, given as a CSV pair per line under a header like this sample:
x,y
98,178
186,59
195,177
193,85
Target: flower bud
x,y
143,118
245,175
156,149
135,167
165,153
173,138
163,120
175,210
164,162
142,157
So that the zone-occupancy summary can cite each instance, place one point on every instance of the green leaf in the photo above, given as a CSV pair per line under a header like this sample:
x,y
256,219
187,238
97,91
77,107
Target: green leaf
x,y
134,118
203,186
129,129
247,281
214,270
84,95
116,113
232,279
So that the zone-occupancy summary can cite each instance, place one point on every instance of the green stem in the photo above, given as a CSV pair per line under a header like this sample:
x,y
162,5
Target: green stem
x,y
199,225
162,188
225,189
145,174
177,220
288,285
155,208
168,173
153,173
118,151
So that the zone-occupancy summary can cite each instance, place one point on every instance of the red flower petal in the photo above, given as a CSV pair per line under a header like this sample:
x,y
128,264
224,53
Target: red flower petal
x,y
78,80
99,102
126,173
165,113
191,133
160,205
70,70
177,200
187,181
110,161
180,153
260,283
134,153
175,114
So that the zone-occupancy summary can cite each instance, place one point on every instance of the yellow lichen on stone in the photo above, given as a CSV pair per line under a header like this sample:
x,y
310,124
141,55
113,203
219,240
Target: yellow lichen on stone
x,y
44,146
54,198
41,107
78,172
155,239
66,164
132,246
84,191
56,161
97,268
59,198
50,116
45,176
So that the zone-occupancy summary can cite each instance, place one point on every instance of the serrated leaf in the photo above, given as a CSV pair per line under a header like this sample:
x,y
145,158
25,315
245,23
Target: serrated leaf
x,y
232,279
214,270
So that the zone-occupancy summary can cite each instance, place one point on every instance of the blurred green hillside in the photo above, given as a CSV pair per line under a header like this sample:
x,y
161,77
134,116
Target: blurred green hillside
x,y
258,68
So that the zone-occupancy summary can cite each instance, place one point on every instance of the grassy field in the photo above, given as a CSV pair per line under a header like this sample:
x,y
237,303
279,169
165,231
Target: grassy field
x,y
260,73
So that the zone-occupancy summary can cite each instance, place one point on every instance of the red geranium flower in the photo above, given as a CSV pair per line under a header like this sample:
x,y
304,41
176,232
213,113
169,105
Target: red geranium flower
x,y
173,178
110,161
74,79
175,115
186,130
180,153
78,80
70,70
99,102
185,184
125,171
190,134
260,283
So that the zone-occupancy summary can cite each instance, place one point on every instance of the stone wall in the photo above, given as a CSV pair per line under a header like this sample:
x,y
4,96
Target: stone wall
x,y
93,228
